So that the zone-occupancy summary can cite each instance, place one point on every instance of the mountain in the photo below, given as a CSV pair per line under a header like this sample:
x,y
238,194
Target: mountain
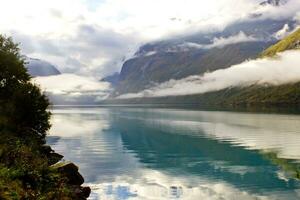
x,y
288,94
37,67
196,54
143,72
112,79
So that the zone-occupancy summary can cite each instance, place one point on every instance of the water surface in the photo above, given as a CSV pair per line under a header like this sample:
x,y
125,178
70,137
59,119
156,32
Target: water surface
x,y
157,153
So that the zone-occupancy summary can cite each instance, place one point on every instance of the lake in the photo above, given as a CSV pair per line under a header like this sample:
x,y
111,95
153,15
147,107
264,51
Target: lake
x,y
159,153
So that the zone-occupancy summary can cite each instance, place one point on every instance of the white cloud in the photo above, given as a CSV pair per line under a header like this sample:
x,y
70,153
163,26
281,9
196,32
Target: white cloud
x,y
73,88
241,37
282,70
172,16
223,41
282,32
71,84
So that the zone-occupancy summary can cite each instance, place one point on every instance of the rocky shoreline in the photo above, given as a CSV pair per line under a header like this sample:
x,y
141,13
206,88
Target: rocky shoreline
x,y
68,170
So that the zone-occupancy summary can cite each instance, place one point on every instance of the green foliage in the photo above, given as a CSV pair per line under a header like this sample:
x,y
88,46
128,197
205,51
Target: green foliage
x,y
25,171
11,63
23,107
292,41
31,107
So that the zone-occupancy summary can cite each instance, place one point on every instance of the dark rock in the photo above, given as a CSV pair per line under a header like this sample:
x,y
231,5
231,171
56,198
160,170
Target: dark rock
x,y
81,192
70,170
75,180
86,191
54,158
51,155
47,149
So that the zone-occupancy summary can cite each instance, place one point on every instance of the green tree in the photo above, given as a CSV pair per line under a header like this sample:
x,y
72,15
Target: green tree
x,y
23,107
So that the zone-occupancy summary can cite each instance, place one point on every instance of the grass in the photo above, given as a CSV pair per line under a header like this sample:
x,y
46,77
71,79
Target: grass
x,y
292,41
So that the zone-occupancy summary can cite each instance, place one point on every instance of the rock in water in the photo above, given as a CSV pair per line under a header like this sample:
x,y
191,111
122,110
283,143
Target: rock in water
x,y
82,192
70,170
51,155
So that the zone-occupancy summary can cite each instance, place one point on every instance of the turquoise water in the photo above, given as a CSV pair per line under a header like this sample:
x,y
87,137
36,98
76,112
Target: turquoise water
x,y
148,153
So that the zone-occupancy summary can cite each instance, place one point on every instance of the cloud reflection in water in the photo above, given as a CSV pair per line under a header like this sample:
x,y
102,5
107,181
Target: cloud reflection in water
x,y
178,154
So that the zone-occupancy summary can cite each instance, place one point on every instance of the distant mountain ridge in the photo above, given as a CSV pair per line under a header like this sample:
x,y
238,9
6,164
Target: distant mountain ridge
x,y
195,54
37,67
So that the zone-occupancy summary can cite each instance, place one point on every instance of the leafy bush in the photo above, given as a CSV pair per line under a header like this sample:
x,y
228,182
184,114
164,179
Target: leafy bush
x,y
23,107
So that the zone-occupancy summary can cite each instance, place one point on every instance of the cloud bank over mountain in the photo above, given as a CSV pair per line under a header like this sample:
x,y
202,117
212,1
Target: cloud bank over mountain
x,y
223,41
268,71
74,89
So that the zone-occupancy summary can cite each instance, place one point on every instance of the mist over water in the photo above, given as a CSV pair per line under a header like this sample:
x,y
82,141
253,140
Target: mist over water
x,y
148,153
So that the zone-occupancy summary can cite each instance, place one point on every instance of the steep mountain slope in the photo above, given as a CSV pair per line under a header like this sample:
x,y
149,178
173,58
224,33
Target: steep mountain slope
x,y
38,67
288,94
140,73
198,53
290,42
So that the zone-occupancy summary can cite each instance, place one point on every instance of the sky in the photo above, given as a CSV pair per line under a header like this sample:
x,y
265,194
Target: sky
x,y
94,37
